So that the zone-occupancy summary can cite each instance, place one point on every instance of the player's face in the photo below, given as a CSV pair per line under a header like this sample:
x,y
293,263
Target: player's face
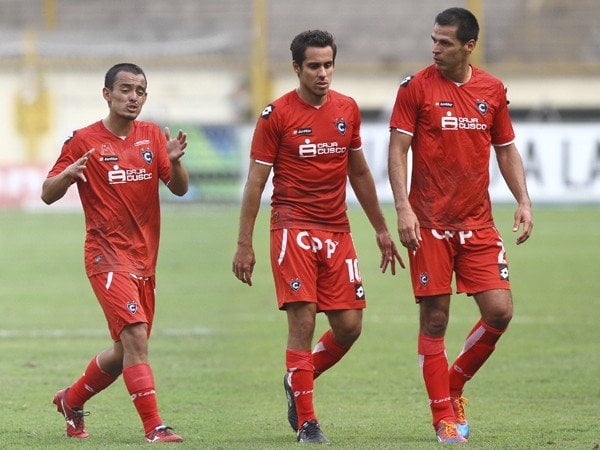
x,y
449,54
315,74
128,95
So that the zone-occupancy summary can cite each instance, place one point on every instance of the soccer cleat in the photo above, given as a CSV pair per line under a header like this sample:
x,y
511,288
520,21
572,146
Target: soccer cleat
x,y
73,416
291,401
447,433
162,433
458,405
310,433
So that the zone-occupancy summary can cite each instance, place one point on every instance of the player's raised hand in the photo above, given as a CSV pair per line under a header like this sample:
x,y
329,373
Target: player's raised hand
x,y
389,252
409,229
77,169
243,264
175,146
523,216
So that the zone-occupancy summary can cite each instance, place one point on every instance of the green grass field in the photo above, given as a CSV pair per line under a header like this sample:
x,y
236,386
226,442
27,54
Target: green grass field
x,y
218,346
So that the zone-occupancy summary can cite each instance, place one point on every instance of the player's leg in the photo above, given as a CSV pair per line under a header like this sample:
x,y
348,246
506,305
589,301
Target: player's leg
x,y
345,329
137,373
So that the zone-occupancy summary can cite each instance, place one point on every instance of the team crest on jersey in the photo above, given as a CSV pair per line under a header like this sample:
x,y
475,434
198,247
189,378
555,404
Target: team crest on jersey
x,y
295,284
482,106
405,82
359,291
340,124
424,278
132,307
147,155
267,111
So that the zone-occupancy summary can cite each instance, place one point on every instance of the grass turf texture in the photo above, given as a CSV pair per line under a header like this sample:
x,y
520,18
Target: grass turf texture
x,y
218,346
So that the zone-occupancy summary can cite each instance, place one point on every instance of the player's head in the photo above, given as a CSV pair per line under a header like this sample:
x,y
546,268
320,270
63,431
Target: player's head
x,y
467,27
454,38
125,90
311,38
313,55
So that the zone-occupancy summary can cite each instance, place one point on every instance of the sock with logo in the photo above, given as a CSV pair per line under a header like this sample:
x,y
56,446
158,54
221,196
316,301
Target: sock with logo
x,y
434,366
300,364
478,347
140,385
327,352
93,380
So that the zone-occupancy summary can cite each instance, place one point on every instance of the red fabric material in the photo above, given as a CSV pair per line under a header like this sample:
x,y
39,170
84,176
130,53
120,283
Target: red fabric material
x,y
479,345
93,380
140,385
300,363
327,352
435,373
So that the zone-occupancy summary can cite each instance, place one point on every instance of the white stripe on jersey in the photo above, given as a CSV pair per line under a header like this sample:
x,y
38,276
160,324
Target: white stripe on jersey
x,y
109,280
283,246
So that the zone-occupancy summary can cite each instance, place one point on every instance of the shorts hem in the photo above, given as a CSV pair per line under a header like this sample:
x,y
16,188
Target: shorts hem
x,y
503,287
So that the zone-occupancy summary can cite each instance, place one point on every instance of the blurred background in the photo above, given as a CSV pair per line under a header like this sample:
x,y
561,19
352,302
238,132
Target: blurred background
x,y
212,65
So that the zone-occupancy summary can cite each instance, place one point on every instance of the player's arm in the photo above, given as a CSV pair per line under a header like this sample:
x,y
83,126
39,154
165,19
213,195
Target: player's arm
x,y
408,224
244,260
363,185
54,188
511,168
178,177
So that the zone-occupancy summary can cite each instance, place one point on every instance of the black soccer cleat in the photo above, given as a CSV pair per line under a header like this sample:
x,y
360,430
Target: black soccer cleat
x,y
311,433
291,401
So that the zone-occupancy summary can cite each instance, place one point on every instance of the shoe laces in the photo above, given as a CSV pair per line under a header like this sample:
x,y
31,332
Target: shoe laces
x,y
448,431
311,429
459,404
163,430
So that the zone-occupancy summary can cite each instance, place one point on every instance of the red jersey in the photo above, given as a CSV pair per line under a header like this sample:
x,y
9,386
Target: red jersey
x,y
453,127
308,149
120,198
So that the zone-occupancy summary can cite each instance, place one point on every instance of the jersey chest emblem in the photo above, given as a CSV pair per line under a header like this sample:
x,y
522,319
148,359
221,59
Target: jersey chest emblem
x,y
340,125
147,155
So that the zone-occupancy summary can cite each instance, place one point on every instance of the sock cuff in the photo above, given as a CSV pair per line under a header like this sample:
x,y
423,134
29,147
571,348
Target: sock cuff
x,y
138,377
298,360
429,345
95,370
491,329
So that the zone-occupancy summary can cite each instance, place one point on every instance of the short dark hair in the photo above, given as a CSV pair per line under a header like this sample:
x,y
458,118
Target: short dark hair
x,y
468,27
111,75
311,38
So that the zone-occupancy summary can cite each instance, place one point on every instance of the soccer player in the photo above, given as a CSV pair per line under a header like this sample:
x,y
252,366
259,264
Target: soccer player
x,y
116,163
310,137
450,114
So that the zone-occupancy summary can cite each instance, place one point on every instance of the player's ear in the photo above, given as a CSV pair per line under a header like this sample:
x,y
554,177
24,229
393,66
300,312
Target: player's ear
x,y
106,94
296,67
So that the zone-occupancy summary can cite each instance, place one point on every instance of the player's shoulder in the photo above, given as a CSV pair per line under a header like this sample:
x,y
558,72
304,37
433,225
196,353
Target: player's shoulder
x,y
277,106
341,99
84,133
486,77
145,126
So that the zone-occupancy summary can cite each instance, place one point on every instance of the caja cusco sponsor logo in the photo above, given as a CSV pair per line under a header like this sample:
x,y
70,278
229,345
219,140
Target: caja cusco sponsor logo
x,y
450,122
120,176
310,150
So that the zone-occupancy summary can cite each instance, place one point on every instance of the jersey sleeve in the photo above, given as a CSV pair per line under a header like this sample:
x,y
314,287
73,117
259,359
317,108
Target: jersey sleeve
x,y
502,131
164,164
71,151
267,136
356,142
406,107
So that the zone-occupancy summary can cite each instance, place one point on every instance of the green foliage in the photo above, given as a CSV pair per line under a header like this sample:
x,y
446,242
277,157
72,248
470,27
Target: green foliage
x,y
218,346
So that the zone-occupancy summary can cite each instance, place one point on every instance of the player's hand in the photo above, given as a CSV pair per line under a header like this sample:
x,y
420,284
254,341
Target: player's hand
x,y
389,252
243,264
175,146
77,169
409,229
523,216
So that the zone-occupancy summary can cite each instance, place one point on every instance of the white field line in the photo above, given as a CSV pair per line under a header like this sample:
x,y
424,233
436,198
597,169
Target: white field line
x,y
99,332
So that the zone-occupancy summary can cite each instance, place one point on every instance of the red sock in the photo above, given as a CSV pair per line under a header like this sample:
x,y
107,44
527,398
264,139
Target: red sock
x,y
93,380
300,363
140,385
478,347
434,364
327,352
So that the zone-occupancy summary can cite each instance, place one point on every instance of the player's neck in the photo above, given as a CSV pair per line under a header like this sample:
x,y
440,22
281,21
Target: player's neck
x,y
118,126
308,97
460,74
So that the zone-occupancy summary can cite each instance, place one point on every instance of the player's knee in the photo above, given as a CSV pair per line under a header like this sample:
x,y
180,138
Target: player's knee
x,y
434,324
499,318
348,334
135,339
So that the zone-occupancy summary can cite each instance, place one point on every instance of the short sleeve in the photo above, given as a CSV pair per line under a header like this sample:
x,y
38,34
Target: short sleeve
x,y
267,136
356,142
164,164
502,131
406,106
71,151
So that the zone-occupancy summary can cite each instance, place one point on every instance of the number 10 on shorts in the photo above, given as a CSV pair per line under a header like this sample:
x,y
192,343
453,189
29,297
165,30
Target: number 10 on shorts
x,y
353,272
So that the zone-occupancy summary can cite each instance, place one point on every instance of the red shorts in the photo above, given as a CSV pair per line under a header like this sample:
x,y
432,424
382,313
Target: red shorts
x,y
318,267
125,299
477,258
